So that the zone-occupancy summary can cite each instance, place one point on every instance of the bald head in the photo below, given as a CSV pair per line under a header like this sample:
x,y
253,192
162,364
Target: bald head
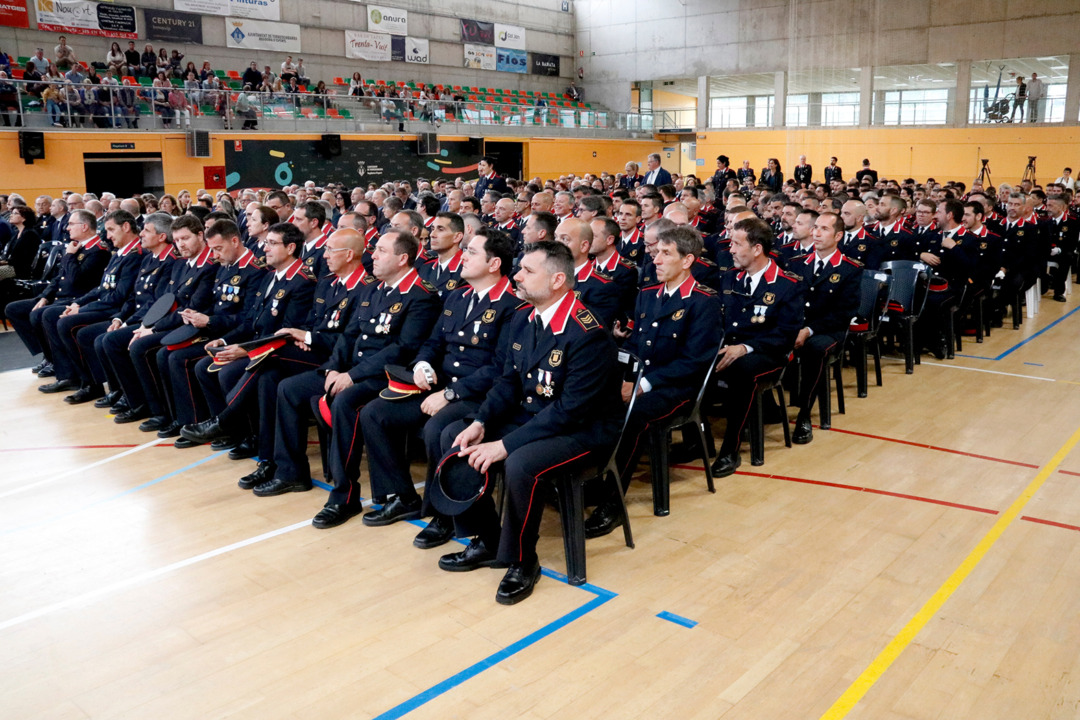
x,y
344,249
677,213
576,235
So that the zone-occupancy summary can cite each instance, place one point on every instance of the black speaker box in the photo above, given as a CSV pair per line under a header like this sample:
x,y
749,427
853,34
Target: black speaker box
x,y
31,146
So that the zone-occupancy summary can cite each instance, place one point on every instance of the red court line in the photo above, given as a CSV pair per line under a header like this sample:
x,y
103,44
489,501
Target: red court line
x,y
935,447
100,447
1049,522
856,488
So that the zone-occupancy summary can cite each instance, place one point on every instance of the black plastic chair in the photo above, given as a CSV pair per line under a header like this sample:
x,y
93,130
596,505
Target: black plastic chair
x,y
659,436
834,366
863,333
757,415
907,296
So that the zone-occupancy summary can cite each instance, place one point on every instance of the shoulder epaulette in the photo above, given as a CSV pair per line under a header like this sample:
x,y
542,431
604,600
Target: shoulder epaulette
x,y
652,288
307,274
786,275
524,306
604,277
586,319
704,289
853,261
428,287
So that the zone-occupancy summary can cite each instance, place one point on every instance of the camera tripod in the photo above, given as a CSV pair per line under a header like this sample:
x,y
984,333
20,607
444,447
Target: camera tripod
x,y
984,174
1029,171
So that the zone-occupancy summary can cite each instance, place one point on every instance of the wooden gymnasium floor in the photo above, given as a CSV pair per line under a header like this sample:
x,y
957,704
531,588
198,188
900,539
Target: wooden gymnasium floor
x,y
920,561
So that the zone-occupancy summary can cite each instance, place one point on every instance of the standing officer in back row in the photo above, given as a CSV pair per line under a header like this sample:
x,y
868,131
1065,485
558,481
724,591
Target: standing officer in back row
x,y
762,316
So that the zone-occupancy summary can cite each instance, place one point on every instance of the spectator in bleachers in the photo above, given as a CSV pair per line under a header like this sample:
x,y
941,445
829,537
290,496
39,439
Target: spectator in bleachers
x,y
159,99
39,62
322,95
243,108
64,54
207,72
356,85
148,61
288,69
252,77
180,105
190,68
115,58
301,73
127,104
162,61
293,88
33,87
54,108
9,100
176,63
131,59
76,108
75,75
192,86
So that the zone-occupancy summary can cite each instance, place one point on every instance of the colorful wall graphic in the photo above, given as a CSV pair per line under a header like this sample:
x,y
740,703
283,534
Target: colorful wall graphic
x,y
277,163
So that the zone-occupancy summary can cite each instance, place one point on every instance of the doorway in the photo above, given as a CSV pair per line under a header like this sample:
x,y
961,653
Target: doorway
x,y
508,157
124,174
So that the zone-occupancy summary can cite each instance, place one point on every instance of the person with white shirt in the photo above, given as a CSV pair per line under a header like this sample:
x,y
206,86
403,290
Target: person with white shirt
x,y
1066,179
832,284
762,316
656,175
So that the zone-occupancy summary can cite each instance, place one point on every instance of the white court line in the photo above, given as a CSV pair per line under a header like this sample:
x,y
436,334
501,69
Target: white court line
x,y
992,372
151,574
76,471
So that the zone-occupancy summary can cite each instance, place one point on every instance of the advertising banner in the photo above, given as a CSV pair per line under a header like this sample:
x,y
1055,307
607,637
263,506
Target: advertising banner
x,y
13,13
262,35
173,26
83,17
254,9
416,50
387,20
545,64
474,31
479,57
367,46
515,61
509,36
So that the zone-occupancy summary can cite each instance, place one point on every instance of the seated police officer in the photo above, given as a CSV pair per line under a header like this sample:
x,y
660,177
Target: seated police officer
x,y
832,300
596,290
452,374
393,320
447,233
556,401
283,299
234,298
675,332
1060,231
762,315
605,235
954,256
158,256
254,393
81,268
98,305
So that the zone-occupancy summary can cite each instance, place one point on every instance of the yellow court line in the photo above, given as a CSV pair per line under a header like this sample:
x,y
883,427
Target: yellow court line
x,y
881,663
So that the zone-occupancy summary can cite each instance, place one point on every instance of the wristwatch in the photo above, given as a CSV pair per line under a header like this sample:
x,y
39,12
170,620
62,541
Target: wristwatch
x,y
449,394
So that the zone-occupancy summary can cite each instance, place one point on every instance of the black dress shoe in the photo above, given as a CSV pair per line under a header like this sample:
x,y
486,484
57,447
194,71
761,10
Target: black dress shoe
x,y
438,532
1059,298
518,583
39,367
108,399
725,465
475,556
85,395
120,405
393,511
803,432
605,518
334,515
131,415
277,486
264,472
154,424
248,448
203,432
58,386
224,443
47,371
170,430
184,444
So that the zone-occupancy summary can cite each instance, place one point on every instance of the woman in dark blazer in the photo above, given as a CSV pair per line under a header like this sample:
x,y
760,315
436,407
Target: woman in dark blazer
x,y
773,176
21,249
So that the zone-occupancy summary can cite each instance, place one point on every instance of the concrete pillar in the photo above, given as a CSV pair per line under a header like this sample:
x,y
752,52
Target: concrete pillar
x,y
1072,90
703,118
813,109
866,95
960,106
879,107
779,99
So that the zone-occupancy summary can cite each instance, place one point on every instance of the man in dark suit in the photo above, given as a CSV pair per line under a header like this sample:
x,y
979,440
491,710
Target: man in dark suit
x,y
556,402
722,175
762,316
833,171
488,179
832,284
656,176
803,173
675,332
453,373
58,210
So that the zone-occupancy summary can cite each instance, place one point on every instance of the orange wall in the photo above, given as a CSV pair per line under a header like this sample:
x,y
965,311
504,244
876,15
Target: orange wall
x,y
62,168
665,100
941,153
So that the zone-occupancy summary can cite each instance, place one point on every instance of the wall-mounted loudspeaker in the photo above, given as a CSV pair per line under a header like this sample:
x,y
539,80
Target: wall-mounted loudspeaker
x,y
330,146
31,146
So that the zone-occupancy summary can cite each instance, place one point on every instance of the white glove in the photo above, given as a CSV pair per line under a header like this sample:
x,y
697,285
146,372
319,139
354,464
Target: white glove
x,y
1055,251
1000,275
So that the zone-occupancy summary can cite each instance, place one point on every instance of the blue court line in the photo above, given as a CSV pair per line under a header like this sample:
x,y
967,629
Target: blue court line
x,y
602,596
1024,342
1035,364
677,619
111,498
